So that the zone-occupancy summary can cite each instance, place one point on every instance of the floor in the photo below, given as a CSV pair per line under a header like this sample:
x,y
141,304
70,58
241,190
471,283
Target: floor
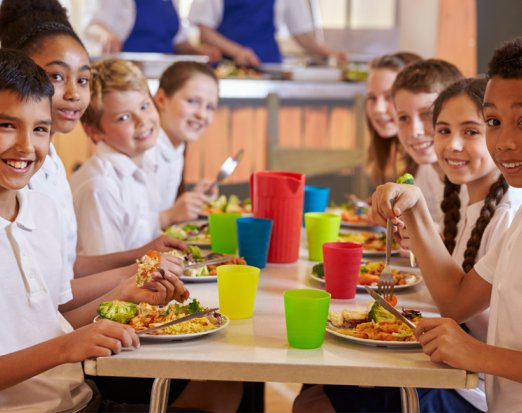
x,y
279,397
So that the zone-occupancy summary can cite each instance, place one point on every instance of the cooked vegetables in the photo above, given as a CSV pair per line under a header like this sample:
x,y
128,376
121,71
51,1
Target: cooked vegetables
x,y
318,270
119,311
406,179
378,313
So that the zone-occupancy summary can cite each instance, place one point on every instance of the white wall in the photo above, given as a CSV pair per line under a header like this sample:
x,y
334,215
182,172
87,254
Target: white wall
x,y
418,21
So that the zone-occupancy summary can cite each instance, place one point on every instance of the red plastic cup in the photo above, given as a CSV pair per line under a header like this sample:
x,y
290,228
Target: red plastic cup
x,y
279,196
342,261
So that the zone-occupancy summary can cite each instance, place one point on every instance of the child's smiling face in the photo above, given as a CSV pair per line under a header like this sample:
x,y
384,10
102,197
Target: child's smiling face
x,y
503,115
415,128
379,103
25,135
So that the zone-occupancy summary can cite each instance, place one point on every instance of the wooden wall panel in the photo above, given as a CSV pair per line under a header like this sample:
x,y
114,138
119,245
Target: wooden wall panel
x,y
243,136
341,128
291,125
316,127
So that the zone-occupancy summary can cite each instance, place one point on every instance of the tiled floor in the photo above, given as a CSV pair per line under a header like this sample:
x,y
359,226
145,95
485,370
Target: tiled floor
x,y
279,397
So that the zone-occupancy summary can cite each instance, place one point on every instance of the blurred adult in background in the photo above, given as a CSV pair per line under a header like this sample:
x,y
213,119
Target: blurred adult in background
x,y
387,159
140,26
245,30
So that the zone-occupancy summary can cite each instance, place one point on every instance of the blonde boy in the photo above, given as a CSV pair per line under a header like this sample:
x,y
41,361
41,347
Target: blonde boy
x,y
110,189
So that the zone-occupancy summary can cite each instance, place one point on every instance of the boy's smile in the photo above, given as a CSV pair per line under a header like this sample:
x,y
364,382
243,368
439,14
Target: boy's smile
x,y
25,133
503,115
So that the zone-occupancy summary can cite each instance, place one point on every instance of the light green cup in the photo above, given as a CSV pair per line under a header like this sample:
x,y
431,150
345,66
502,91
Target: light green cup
x,y
306,314
237,287
223,233
321,227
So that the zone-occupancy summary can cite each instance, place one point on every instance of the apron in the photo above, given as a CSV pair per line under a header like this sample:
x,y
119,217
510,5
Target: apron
x,y
156,24
251,24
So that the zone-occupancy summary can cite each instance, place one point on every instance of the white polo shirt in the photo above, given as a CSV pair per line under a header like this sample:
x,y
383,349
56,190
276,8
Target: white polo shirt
x,y
502,268
51,180
498,225
111,202
428,180
35,280
170,163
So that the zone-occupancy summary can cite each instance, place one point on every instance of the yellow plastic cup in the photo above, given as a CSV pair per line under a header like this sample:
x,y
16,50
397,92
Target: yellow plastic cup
x,y
321,227
237,287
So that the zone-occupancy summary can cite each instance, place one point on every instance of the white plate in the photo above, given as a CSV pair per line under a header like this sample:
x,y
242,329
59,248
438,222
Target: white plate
x,y
411,280
200,279
179,337
374,343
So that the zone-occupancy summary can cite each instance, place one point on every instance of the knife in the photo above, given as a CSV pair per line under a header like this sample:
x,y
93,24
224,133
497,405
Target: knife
x,y
209,262
179,320
390,308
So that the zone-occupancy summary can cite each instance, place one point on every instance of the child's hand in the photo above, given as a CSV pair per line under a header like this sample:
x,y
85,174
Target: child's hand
x,y
446,342
207,188
188,207
164,243
100,339
404,196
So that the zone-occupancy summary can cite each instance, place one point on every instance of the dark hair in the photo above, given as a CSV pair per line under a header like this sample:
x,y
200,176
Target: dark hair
x,y
381,150
426,76
506,62
178,73
20,75
474,88
25,24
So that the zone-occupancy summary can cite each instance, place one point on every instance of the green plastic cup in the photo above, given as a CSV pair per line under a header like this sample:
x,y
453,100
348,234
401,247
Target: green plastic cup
x,y
237,287
306,314
223,234
321,227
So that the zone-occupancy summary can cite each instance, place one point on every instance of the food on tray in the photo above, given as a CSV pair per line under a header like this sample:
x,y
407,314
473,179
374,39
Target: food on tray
x,y
318,270
376,324
406,179
232,70
146,266
371,241
230,204
353,211
198,233
147,316
119,311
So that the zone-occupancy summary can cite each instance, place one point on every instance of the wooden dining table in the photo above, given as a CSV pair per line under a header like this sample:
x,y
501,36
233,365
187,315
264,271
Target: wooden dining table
x,y
256,349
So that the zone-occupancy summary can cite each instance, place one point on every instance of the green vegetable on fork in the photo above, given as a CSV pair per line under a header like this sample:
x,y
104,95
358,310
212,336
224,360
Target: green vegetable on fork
x,y
407,178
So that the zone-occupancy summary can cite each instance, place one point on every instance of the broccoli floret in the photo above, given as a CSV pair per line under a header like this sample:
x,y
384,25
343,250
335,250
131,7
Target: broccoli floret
x,y
406,179
318,270
378,313
195,251
116,310
195,306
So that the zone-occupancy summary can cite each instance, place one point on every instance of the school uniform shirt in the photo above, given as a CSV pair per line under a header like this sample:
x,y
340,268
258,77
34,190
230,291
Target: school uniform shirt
x,y
35,281
429,182
252,23
142,25
167,179
497,226
51,179
502,268
111,202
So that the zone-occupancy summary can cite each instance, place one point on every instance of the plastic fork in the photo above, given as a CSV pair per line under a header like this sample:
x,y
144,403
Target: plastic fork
x,y
386,282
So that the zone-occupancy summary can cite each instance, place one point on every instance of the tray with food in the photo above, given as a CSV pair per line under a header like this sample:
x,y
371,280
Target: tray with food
x,y
369,275
196,233
376,327
143,316
374,243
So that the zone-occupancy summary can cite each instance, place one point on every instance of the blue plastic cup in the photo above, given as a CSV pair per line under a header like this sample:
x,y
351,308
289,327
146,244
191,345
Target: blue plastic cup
x,y
315,199
253,238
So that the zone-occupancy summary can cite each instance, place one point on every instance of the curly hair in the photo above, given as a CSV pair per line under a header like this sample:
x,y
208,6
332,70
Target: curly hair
x,y
107,76
24,25
506,62
380,151
450,205
493,198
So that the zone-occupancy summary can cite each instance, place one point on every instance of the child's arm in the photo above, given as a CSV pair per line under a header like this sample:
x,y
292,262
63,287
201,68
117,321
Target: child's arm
x,y
456,294
92,264
445,342
186,208
96,340
90,291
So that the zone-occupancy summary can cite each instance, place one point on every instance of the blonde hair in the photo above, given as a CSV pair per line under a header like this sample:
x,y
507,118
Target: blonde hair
x,y
108,76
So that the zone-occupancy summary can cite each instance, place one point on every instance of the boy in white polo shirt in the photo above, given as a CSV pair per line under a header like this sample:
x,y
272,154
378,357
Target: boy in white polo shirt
x,y
496,280
110,198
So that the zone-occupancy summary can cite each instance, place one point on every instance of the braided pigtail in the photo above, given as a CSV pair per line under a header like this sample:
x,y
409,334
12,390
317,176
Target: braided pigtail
x,y
495,195
451,207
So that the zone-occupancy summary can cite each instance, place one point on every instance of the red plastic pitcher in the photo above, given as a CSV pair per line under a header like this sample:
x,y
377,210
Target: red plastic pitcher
x,y
279,196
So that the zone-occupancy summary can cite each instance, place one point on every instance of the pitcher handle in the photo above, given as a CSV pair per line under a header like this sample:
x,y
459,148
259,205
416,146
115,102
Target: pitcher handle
x,y
252,192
